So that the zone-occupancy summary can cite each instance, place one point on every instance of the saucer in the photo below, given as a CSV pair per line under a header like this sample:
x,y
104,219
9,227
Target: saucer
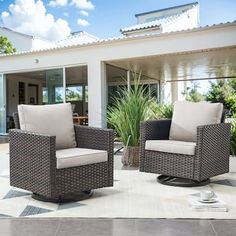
x,y
212,200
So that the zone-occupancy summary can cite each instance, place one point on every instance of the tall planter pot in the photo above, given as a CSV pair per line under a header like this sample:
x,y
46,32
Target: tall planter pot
x,y
131,156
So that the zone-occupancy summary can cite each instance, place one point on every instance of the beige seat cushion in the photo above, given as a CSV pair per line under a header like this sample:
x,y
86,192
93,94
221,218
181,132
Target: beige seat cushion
x,y
171,146
79,157
188,115
53,120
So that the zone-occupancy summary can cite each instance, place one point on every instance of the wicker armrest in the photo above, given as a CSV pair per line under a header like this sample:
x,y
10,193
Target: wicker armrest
x,y
32,160
28,146
152,130
214,135
213,147
100,139
94,138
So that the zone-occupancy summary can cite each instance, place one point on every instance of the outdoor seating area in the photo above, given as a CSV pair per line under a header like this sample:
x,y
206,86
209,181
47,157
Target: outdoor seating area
x,y
181,154
50,173
66,164
61,180
117,126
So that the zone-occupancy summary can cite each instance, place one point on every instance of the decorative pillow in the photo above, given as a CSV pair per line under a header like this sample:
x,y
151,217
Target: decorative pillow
x,y
188,115
53,120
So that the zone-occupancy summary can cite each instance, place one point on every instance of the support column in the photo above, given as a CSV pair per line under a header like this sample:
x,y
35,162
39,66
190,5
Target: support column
x,y
174,91
174,85
3,104
166,93
128,80
64,84
97,94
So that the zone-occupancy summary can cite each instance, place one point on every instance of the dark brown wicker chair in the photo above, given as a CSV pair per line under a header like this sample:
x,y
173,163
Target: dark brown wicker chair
x,y
211,154
33,164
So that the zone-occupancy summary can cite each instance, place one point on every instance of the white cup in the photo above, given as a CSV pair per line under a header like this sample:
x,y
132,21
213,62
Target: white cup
x,y
206,195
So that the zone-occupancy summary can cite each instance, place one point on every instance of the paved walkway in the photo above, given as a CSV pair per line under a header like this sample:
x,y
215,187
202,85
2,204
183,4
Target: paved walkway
x,y
116,227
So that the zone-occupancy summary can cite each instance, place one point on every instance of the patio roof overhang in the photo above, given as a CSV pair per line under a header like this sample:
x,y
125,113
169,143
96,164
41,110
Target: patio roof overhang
x,y
197,65
173,47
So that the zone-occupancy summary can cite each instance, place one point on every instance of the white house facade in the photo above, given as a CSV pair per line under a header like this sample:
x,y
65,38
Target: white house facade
x,y
168,61
24,42
165,20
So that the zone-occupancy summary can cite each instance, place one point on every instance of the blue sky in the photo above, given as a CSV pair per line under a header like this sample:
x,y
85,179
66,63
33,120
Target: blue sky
x,y
103,18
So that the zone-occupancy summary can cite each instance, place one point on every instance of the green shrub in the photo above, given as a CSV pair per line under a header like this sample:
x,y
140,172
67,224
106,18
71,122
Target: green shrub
x,y
230,102
163,111
192,94
223,91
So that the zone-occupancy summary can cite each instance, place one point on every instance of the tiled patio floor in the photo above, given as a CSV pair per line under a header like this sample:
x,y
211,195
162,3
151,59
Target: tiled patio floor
x,y
115,227
3,139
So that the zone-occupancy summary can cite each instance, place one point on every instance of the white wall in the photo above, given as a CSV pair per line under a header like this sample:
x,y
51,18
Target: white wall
x,y
19,41
187,20
13,93
24,42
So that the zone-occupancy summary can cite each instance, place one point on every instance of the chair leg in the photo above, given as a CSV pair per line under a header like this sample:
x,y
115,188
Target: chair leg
x,y
180,182
74,197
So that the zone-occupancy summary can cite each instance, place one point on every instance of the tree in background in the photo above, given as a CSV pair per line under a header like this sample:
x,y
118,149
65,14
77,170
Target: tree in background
x,y
223,91
74,95
219,91
192,94
6,46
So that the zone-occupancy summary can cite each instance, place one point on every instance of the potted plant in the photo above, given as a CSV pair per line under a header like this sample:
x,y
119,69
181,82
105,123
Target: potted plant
x,y
130,108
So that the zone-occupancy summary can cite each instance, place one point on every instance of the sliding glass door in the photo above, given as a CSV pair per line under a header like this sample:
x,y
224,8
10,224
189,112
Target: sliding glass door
x,y
2,104
53,91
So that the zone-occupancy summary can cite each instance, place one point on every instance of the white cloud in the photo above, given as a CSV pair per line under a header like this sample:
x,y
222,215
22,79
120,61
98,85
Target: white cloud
x,y
31,17
58,3
84,13
82,22
83,4
5,13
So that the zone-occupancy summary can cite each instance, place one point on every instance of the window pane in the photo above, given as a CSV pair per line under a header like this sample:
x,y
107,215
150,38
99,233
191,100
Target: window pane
x,y
59,94
53,93
74,93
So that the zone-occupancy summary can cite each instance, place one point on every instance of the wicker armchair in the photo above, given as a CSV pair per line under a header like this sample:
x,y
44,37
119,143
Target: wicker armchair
x,y
33,164
210,158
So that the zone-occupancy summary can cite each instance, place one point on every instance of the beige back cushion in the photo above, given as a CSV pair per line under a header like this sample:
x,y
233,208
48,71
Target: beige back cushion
x,y
188,115
53,120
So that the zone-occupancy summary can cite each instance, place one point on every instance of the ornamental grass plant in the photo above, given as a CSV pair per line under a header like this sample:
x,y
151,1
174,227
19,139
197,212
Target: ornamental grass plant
x,y
130,107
